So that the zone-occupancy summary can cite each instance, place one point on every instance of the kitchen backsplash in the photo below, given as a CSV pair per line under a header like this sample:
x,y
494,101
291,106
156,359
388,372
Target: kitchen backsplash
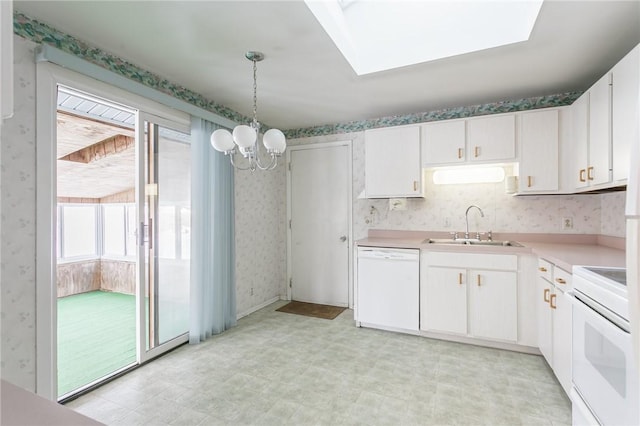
x,y
444,206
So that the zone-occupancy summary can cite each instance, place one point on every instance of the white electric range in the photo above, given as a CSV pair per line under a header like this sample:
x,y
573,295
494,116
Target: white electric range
x,y
605,380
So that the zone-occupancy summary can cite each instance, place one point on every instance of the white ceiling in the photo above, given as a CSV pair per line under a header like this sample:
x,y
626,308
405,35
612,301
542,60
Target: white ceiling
x,y
305,80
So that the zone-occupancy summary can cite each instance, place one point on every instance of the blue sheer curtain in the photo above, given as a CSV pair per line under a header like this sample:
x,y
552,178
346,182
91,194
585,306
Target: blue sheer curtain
x,y
213,290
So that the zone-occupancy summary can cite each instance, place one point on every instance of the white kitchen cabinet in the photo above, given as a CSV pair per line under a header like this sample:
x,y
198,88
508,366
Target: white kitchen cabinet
x,y
444,300
624,112
493,305
598,169
580,140
539,136
554,320
591,115
473,295
393,162
560,303
545,337
444,142
491,138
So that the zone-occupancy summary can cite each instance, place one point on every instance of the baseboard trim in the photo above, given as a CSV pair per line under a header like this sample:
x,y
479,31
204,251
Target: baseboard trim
x,y
257,307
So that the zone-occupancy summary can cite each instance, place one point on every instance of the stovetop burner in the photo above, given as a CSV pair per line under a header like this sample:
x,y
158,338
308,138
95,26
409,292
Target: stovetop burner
x,y
618,275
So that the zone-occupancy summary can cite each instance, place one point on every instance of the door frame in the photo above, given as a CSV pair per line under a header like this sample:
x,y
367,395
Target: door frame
x,y
48,77
323,145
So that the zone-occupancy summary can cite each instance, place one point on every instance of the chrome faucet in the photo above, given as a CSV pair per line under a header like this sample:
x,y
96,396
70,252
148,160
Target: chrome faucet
x,y
466,215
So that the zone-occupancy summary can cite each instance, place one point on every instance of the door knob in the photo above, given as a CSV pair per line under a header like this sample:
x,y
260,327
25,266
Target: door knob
x,y
343,238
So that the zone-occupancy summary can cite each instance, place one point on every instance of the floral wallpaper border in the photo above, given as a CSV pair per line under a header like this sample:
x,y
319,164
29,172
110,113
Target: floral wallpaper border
x,y
39,32
548,101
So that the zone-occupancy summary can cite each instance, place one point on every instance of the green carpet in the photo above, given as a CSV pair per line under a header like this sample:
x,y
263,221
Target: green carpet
x,y
96,336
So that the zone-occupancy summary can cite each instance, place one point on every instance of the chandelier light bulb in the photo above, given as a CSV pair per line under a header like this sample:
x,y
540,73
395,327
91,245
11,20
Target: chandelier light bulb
x,y
222,141
274,140
244,136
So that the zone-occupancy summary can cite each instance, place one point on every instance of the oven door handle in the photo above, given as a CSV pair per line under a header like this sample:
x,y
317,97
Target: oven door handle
x,y
586,303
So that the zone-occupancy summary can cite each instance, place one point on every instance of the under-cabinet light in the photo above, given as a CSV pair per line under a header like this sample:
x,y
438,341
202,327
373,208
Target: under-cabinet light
x,y
460,175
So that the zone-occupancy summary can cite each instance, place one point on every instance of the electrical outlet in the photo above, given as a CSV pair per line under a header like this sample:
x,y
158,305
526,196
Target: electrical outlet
x,y
567,223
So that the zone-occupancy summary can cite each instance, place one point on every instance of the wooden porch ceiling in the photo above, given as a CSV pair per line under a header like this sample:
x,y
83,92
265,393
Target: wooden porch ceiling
x,y
107,171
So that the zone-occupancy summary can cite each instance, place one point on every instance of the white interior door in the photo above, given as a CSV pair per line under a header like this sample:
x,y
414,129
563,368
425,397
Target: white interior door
x,y
319,184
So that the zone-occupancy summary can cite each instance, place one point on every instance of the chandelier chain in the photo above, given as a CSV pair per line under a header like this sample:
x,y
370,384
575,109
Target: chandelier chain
x,y
255,91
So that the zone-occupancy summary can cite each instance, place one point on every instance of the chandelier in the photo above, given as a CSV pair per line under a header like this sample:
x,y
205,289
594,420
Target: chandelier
x,y
245,137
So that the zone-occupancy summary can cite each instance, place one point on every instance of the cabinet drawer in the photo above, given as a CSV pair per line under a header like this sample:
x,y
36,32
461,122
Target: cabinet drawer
x,y
562,279
507,262
545,269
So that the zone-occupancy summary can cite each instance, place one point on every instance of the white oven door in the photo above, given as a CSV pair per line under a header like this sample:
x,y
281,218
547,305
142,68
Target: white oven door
x,y
603,370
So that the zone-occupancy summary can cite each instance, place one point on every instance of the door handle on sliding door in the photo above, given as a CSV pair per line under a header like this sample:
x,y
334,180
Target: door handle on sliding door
x,y
146,233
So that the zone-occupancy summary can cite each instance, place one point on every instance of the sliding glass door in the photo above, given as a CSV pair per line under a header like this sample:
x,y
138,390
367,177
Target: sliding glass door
x,y
166,223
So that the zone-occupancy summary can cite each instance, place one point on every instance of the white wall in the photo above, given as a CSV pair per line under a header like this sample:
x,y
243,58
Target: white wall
x,y
260,207
18,241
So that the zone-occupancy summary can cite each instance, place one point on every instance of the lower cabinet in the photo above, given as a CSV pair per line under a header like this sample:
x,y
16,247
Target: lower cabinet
x,y
472,295
554,320
493,305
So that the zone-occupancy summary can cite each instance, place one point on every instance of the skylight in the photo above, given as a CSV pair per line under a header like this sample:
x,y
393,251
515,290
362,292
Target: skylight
x,y
381,35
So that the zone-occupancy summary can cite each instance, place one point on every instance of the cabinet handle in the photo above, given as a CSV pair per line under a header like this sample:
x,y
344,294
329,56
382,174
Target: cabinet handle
x,y
459,153
582,178
460,278
529,181
546,295
542,269
476,151
590,173
552,301
415,185
560,281
478,280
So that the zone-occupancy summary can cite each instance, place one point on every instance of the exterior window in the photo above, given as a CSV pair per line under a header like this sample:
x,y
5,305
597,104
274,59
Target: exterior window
x,y
78,231
114,238
131,230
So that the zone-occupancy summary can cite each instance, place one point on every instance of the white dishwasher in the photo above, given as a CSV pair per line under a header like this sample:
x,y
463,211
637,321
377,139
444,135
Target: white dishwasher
x,y
388,288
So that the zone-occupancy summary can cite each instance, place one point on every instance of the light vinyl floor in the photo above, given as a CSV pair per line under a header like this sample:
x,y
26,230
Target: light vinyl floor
x,y
283,369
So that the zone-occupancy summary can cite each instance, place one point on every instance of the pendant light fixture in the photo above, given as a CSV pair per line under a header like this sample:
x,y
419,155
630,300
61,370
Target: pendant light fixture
x,y
245,137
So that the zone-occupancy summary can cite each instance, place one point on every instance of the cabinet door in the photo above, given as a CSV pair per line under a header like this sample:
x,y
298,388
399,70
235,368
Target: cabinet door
x,y
624,111
561,307
580,140
493,305
443,142
392,162
539,151
545,342
599,132
492,138
443,300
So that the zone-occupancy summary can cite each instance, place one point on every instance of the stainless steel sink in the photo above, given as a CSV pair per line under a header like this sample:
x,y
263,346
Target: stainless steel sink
x,y
470,242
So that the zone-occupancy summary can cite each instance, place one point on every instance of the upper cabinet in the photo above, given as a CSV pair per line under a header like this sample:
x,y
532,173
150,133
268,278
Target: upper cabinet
x,y
492,138
605,119
625,113
598,169
444,142
539,135
392,162
483,139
